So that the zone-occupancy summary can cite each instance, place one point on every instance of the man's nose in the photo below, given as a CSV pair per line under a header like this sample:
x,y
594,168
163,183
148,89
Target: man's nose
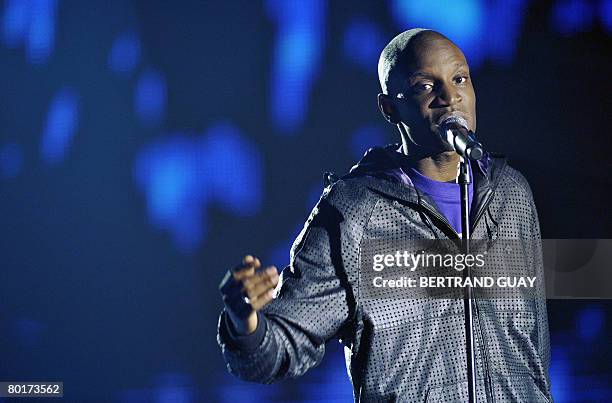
x,y
448,94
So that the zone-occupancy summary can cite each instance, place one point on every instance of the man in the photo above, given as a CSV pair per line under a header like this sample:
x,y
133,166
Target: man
x,y
397,349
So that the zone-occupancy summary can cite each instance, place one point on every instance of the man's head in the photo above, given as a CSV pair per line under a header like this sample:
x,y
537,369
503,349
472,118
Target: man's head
x,y
424,79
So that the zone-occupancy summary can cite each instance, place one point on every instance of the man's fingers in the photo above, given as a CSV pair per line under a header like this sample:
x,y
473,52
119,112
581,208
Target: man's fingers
x,y
261,282
247,268
270,275
242,272
257,285
262,300
246,288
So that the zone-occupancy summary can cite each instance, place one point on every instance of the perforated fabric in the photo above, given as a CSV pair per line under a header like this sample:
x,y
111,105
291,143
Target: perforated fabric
x,y
404,350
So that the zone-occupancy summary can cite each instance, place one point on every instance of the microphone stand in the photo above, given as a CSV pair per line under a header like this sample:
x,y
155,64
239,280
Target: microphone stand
x,y
463,178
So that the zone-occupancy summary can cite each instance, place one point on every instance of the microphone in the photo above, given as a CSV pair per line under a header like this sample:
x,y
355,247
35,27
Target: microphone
x,y
454,130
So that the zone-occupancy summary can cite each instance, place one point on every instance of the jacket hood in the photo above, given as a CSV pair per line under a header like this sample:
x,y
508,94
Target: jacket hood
x,y
379,161
386,163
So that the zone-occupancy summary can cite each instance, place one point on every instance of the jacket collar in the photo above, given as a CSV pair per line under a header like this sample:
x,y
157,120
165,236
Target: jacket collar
x,y
386,163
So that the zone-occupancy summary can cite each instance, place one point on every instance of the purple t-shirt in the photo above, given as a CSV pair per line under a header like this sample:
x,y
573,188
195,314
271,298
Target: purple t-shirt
x,y
446,195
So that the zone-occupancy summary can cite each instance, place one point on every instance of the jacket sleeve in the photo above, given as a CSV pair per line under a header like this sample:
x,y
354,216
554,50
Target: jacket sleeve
x,y
312,304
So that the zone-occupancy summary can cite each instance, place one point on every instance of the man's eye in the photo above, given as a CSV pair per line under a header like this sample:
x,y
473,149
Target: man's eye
x,y
422,87
460,79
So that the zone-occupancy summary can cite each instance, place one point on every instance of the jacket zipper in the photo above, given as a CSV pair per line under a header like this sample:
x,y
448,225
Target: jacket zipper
x,y
440,217
488,390
487,200
481,210
485,204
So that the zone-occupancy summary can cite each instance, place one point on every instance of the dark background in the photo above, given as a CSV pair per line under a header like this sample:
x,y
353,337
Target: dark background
x,y
146,146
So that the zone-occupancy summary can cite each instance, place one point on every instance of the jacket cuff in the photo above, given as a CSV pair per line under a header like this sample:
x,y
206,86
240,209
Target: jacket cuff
x,y
247,343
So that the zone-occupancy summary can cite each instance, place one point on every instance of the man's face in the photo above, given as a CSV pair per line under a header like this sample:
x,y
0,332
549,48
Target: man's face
x,y
436,85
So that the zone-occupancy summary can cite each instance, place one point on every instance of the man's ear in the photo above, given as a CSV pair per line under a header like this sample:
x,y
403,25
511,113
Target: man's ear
x,y
388,109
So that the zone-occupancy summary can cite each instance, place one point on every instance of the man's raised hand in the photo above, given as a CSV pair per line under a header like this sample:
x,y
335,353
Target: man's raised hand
x,y
245,290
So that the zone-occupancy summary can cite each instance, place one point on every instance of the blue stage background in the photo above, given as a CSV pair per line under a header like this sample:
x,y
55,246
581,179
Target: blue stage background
x,y
146,146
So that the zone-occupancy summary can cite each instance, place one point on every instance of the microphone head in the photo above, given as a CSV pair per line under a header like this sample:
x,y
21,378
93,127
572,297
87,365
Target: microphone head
x,y
448,126
454,131
475,153
455,121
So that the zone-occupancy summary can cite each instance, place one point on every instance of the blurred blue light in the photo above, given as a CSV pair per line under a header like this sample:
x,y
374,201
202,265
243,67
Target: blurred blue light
x,y
365,138
11,160
150,98
15,22
167,172
297,56
181,175
572,16
503,24
461,21
231,390
332,384
61,125
41,37
124,55
561,377
174,388
605,14
363,43
31,22
234,169
590,323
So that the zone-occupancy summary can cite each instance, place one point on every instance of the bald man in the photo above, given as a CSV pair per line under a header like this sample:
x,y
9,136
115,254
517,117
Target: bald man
x,y
398,348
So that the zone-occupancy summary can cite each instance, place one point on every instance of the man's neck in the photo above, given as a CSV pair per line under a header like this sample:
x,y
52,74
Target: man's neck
x,y
440,167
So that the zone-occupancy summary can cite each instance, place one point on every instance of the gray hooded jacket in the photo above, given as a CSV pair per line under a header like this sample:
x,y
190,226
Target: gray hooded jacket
x,y
408,350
